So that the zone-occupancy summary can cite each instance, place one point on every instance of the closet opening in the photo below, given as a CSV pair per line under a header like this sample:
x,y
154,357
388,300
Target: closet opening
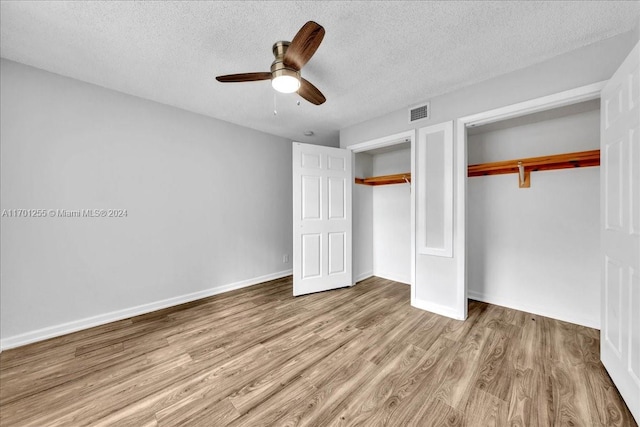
x,y
533,212
383,206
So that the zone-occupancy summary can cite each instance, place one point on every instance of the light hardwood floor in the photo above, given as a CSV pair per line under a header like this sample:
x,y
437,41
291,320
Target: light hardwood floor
x,y
357,356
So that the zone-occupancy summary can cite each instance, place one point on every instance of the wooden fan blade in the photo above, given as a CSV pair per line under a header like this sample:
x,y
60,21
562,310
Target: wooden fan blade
x,y
310,92
243,77
303,45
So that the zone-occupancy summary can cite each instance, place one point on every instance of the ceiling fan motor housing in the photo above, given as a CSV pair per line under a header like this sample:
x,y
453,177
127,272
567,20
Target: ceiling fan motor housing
x,y
277,67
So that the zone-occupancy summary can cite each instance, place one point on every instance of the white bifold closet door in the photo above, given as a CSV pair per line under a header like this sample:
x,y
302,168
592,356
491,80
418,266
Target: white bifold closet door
x,y
620,229
322,181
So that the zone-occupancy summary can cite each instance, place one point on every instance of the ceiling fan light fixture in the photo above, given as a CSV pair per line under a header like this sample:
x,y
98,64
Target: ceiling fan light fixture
x,y
285,80
290,57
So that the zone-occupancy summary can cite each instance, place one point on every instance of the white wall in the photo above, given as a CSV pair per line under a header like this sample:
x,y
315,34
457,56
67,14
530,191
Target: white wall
x,y
392,218
362,206
537,249
592,63
208,202
437,278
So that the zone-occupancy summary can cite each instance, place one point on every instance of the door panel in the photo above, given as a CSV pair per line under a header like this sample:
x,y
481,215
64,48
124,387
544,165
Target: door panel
x,y
613,304
312,255
311,189
310,160
620,195
634,347
321,218
336,163
634,182
337,243
613,183
337,194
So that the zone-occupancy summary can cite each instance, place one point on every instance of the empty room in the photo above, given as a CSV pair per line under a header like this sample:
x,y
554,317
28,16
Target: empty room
x,y
293,213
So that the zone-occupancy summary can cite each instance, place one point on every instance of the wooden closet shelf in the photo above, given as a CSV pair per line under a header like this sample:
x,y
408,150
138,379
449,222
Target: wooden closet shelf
x,y
531,164
399,178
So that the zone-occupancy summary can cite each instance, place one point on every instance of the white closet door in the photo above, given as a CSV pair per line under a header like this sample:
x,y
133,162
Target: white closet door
x,y
322,181
620,219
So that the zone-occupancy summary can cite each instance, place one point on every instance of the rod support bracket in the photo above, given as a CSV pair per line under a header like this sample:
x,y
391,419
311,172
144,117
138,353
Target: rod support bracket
x,y
524,176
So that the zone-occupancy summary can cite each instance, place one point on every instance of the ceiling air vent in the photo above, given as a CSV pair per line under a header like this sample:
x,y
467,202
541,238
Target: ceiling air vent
x,y
420,112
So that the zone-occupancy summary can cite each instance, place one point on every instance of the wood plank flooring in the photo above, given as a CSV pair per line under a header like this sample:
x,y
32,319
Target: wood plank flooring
x,y
358,356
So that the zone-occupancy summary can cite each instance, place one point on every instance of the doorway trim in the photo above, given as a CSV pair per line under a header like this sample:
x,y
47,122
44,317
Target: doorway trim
x,y
560,99
387,141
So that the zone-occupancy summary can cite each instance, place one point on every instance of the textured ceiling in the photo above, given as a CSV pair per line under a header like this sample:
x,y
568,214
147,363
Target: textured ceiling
x,y
376,57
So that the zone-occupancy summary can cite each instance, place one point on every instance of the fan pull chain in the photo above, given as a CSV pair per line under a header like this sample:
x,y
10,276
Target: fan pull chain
x,y
275,105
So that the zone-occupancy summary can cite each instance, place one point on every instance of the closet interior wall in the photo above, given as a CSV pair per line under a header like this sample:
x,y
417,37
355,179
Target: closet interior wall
x,y
382,216
537,249
362,209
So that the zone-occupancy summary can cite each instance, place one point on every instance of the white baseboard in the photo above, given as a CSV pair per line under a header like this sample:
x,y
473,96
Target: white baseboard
x,y
391,276
436,308
363,276
101,319
541,311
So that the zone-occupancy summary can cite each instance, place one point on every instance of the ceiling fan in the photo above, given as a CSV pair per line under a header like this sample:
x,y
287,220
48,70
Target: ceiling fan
x,y
285,69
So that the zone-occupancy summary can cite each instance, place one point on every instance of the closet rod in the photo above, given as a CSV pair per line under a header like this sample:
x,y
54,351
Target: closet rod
x,y
532,164
399,178
519,166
